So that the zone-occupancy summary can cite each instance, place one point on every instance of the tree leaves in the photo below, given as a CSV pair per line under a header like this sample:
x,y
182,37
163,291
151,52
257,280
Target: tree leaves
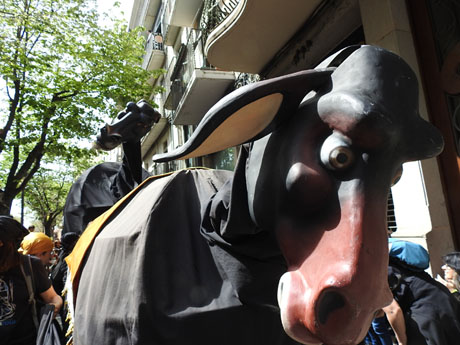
x,y
61,74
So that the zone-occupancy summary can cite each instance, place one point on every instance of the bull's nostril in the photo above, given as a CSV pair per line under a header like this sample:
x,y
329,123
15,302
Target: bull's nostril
x,y
329,302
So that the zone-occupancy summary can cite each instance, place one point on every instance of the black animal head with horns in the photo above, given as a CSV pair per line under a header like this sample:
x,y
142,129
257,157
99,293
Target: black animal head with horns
x,y
325,146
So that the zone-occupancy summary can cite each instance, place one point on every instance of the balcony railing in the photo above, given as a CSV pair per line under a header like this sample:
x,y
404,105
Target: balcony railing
x,y
154,53
214,13
154,41
163,168
183,70
195,85
245,79
391,217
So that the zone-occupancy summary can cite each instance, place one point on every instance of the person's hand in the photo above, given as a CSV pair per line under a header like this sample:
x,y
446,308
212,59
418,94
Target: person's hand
x,y
450,285
56,309
51,297
441,280
447,283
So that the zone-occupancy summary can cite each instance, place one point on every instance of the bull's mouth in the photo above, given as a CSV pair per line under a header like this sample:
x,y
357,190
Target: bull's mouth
x,y
316,329
299,333
106,140
326,317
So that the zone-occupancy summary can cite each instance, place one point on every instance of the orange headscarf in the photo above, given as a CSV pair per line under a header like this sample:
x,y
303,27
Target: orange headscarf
x,y
36,243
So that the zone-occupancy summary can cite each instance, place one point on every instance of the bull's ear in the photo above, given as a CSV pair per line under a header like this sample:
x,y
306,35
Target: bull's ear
x,y
249,113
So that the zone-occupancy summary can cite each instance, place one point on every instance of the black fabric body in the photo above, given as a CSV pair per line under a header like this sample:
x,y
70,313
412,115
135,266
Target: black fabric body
x,y
152,277
431,313
16,323
100,187
90,196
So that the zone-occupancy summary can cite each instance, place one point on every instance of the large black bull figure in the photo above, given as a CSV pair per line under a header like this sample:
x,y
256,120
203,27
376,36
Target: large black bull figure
x,y
294,239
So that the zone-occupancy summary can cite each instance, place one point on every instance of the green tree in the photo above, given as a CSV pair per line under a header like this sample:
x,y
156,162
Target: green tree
x,y
61,72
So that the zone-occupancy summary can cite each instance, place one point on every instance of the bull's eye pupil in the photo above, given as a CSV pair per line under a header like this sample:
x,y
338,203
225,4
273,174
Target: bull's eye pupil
x,y
337,153
341,157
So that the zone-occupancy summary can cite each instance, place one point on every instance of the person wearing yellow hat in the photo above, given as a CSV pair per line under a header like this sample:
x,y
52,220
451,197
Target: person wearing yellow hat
x,y
23,280
39,245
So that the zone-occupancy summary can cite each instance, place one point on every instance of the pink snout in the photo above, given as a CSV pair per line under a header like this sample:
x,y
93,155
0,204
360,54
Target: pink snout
x,y
336,310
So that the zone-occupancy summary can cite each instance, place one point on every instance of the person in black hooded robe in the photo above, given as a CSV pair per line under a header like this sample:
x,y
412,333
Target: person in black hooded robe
x,y
59,273
430,311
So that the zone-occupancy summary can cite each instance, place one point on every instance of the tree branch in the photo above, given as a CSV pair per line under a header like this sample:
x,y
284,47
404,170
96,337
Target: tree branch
x,y
14,103
58,98
33,44
18,180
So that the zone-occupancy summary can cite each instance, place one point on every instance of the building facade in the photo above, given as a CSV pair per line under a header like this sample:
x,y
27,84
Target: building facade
x,y
208,48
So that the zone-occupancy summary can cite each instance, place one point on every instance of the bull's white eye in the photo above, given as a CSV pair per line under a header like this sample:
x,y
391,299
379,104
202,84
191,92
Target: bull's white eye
x,y
336,154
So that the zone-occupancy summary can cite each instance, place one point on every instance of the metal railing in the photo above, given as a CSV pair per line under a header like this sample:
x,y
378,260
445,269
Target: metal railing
x,y
163,168
391,217
245,79
214,13
154,41
189,58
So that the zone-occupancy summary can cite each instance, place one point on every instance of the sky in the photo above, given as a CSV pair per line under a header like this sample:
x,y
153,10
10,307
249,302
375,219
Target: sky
x,y
125,6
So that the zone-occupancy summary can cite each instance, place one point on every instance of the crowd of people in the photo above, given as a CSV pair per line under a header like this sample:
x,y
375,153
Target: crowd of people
x,y
32,275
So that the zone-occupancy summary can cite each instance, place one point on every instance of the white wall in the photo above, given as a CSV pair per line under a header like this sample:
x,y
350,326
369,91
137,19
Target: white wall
x,y
420,205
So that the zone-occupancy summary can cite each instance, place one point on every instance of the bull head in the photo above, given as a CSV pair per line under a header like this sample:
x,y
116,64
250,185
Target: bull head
x,y
325,147
130,125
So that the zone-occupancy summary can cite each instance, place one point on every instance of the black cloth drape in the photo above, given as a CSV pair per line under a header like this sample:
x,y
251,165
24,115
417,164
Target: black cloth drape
x,y
152,277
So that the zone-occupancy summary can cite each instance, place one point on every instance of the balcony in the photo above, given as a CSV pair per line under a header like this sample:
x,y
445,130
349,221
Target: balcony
x,y
177,14
249,36
144,13
152,136
163,168
205,88
195,85
154,56
215,12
